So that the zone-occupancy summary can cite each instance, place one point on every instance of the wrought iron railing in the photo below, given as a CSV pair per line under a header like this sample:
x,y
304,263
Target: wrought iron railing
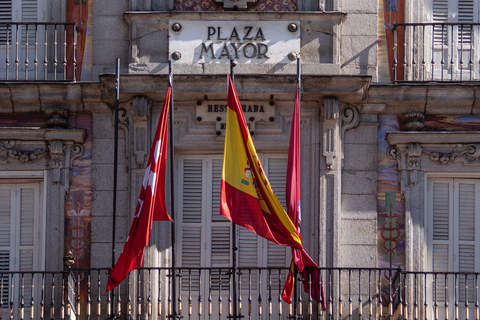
x,y
207,293
38,51
435,52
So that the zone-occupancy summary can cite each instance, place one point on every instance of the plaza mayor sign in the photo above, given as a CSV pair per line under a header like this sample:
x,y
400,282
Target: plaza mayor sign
x,y
242,41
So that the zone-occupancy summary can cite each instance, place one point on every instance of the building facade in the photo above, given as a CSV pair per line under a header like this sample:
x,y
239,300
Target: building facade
x,y
390,154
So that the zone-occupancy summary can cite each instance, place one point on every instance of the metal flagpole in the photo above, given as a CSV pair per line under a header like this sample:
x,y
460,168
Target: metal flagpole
x,y
295,269
172,193
115,165
234,241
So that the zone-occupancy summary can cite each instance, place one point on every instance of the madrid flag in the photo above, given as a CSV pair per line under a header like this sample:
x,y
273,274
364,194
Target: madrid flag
x,y
247,198
150,206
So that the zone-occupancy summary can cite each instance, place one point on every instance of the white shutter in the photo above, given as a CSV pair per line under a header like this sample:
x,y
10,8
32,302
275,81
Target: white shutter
x,y
454,211
440,15
5,16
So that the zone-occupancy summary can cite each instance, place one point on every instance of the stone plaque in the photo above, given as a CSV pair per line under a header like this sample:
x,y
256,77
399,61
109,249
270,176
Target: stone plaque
x,y
216,111
242,41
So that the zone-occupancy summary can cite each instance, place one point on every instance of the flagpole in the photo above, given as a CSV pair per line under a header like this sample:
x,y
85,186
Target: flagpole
x,y
115,167
295,268
172,193
234,240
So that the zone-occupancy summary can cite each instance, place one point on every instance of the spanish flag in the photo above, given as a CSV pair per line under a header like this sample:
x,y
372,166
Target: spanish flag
x,y
247,198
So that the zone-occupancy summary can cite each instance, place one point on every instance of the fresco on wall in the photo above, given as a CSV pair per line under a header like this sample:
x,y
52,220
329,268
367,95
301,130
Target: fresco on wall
x,y
390,207
79,203
262,5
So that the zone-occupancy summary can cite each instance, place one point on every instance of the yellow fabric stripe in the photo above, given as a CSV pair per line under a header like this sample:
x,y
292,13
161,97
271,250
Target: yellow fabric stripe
x,y
272,198
235,161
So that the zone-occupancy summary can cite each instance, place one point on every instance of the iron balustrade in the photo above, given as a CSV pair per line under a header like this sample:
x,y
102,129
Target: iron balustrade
x,y
206,293
434,52
38,51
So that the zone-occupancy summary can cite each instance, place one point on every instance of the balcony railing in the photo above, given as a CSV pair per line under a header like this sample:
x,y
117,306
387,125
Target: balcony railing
x,y
435,52
38,51
207,293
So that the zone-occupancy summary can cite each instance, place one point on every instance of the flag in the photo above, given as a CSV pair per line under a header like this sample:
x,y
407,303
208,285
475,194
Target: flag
x,y
311,275
247,198
150,206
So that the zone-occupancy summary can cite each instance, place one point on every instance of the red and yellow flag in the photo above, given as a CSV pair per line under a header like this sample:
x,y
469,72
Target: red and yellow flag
x,y
247,198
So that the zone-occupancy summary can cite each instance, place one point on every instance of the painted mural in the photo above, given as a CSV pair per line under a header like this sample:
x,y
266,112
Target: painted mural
x,y
390,207
78,206
262,5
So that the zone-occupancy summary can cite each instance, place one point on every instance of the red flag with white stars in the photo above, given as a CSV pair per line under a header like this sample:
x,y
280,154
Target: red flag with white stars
x,y
150,206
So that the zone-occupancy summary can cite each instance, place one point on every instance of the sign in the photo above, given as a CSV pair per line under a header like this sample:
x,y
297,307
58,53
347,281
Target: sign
x,y
242,41
216,111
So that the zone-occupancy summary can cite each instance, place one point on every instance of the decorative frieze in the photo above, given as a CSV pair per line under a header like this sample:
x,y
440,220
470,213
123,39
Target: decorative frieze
x,y
439,149
8,150
413,121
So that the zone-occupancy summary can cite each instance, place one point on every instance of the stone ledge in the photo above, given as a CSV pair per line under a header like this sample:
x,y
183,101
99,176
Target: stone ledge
x,y
437,137
40,134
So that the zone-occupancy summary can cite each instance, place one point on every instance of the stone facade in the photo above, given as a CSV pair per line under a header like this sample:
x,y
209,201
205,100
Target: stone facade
x,y
353,127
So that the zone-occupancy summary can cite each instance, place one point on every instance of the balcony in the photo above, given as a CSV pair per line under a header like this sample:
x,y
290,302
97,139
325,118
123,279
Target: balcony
x,y
437,52
207,293
38,51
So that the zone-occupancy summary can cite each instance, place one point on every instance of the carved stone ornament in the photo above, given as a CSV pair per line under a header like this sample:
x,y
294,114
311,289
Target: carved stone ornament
x,y
413,121
8,150
57,117
330,143
56,153
471,154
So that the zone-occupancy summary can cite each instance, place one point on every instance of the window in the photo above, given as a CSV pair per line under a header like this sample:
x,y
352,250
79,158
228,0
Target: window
x,y
453,211
453,44
204,237
21,236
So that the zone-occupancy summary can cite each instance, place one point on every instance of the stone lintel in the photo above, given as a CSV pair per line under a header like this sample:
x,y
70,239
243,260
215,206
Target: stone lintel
x,y
347,89
437,137
41,134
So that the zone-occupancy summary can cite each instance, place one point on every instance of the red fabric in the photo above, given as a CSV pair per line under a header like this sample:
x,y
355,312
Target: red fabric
x,y
299,255
77,11
150,206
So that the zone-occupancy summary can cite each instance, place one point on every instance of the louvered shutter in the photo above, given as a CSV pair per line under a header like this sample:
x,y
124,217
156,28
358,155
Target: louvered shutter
x,y
191,216
5,16
220,242
5,225
442,239
440,15
466,209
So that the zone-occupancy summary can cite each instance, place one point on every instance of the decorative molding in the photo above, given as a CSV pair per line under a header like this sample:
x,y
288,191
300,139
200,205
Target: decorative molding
x,y
57,117
414,151
62,146
8,150
471,154
331,114
141,107
440,149
56,153
350,120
